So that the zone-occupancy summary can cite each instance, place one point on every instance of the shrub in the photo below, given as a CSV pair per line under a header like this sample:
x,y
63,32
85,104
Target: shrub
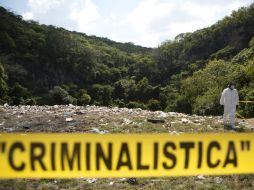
x,y
61,96
154,105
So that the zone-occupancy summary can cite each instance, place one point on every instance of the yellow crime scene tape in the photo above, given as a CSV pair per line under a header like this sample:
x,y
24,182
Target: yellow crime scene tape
x,y
247,101
75,155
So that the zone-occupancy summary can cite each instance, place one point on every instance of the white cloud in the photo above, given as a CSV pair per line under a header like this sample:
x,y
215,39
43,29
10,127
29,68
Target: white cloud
x,y
157,20
43,6
28,16
80,15
84,16
147,23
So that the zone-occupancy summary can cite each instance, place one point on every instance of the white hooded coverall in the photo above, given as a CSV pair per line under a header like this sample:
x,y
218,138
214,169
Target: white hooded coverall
x,y
229,98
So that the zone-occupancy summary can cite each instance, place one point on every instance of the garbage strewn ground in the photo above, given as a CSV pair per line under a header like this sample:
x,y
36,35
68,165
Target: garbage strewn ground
x,y
94,119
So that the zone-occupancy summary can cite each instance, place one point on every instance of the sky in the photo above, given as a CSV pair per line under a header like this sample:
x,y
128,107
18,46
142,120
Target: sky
x,y
143,22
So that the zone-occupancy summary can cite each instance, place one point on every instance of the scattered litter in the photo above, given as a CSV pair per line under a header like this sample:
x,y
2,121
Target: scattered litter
x,y
162,114
67,113
201,177
132,181
156,120
91,180
80,112
218,180
56,106
184,120
2,123
126,121
104,131
111,183
96,130
242,123
68,119
209,127
173,132
26,127
10,129
6,105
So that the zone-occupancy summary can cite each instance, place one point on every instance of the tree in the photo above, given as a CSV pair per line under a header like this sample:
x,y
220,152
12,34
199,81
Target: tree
x,y
61,96
154,105
83,97
102,94
19,94
3,85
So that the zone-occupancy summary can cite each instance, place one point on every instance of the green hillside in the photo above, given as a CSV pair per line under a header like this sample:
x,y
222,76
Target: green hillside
x,y
48,65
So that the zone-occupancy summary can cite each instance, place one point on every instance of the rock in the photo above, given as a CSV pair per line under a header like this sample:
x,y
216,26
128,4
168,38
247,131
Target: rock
x,y
68,119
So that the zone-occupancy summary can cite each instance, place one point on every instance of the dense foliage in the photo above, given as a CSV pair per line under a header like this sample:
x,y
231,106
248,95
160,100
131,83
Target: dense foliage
x,y
42,64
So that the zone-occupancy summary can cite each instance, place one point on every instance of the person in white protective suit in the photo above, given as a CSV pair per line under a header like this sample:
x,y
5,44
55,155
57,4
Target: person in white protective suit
x,y
229,99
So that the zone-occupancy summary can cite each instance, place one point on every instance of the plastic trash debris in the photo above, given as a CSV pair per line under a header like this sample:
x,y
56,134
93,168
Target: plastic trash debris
x,y
111,183
96,130
173,132
157,120
201,177
26,127
184,120
132,181
218,180
91,180
209,127
163,115
126,121
68,119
